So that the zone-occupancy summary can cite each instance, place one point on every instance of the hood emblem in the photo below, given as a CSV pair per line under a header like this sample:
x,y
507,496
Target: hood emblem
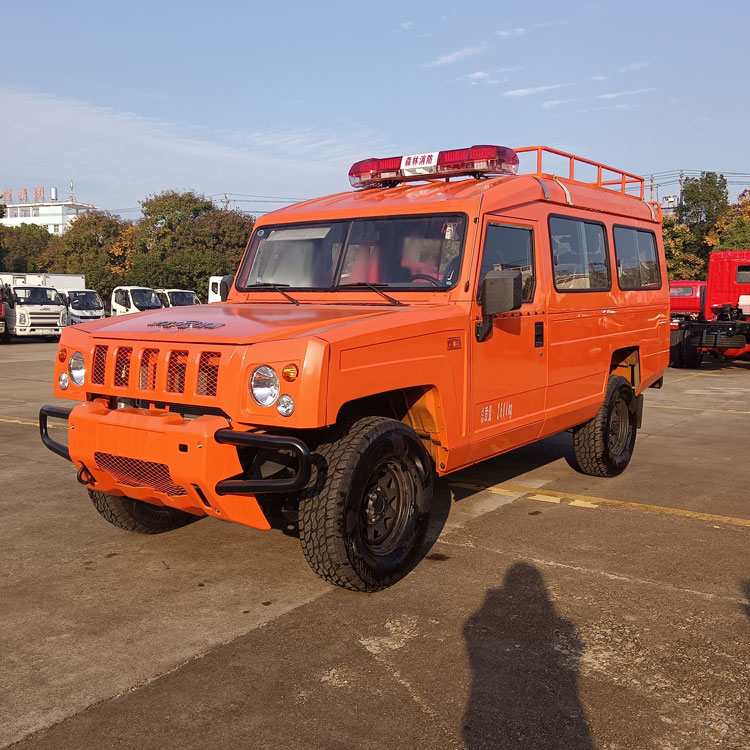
x,y
183,324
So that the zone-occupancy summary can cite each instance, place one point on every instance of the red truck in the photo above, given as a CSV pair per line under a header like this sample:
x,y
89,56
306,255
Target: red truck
x,y
722,325
685,298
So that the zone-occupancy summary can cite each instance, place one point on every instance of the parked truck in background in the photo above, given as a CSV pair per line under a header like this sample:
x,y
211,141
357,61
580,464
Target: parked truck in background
x,y
82,305
31,304
722,324
177,297
132,299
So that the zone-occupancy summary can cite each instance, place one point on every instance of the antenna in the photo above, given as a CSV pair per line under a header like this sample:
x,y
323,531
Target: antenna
x,y
72,196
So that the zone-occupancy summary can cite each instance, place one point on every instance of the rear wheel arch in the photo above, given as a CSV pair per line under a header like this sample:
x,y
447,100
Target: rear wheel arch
x,y
626,362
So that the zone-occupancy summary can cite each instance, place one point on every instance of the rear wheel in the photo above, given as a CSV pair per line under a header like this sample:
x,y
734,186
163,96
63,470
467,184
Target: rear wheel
x,y
137,516
363,518
676,339
691,356
604,445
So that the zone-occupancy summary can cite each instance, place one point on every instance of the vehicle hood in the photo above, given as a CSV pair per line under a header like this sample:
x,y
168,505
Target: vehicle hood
x,y
228,323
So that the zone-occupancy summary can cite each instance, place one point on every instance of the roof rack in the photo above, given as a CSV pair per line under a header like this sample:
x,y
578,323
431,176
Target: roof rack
x,y
623,179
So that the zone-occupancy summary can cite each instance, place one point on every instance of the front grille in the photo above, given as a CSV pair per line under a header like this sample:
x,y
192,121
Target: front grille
x,y
133,472
208,373
122,366
155,371
99,366
176,371
147,374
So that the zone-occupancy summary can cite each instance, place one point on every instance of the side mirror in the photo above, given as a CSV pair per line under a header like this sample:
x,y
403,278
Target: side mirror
x,y
225,285
502,291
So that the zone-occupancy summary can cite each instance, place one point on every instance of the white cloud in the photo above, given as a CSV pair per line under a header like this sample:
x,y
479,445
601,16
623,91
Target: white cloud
x,y
618,94
117,159
556,103
405,26
598,78
633,66
536,89
510,68
460,54
511,32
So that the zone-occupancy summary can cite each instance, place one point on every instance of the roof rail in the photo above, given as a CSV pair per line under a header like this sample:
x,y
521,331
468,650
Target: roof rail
x,y
621,179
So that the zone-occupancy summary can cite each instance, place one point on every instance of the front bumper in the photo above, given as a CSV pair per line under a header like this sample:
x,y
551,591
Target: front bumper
x,y
160,458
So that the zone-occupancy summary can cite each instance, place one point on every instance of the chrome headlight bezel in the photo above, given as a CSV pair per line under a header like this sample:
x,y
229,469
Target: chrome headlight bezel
x,y
77,368
264,386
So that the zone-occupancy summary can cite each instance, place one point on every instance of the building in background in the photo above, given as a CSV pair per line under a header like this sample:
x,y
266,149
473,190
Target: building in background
x,y
54,215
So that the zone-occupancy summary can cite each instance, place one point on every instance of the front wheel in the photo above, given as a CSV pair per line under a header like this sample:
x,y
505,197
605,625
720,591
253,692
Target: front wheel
x,y
604,445
691,355
139,517
363,518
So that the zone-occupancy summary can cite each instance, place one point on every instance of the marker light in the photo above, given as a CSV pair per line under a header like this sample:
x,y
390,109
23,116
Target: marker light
x,y
290,373
462,161
63,381
285,407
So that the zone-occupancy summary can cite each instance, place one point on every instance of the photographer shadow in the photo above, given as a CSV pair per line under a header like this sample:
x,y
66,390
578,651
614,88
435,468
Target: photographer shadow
x,y
525,659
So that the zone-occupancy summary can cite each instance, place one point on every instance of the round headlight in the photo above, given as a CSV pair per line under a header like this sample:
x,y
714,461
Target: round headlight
x,y
285,407
264,385
77,368
63,381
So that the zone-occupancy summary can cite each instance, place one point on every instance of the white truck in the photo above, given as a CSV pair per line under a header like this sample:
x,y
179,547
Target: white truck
x,y
177,297
83,305
132,299
31,304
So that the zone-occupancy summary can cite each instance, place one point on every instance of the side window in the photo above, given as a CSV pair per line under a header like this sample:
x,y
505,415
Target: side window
x,y
743,275
510,248
579,255
681,291
121,298
637,263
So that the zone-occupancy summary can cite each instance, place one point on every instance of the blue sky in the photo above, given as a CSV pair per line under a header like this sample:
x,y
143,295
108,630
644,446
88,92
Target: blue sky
x,y
278,100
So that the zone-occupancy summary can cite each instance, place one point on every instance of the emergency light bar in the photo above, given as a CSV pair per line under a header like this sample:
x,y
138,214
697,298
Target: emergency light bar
x,y
461,161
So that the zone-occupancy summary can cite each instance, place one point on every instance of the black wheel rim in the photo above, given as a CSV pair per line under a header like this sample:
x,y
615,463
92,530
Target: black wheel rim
x,y
387,506
619,428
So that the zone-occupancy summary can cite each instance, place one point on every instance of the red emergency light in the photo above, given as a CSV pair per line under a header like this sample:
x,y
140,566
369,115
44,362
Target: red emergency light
x,y
477,160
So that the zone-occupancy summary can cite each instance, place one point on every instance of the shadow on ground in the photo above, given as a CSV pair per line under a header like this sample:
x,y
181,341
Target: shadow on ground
x,y
525,659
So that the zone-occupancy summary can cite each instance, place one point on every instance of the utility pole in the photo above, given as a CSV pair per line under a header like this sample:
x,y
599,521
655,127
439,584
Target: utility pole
x,y
682,184
226,202
653,188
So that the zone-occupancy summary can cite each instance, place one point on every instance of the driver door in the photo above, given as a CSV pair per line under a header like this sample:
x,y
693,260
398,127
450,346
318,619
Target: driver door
x,y
509,368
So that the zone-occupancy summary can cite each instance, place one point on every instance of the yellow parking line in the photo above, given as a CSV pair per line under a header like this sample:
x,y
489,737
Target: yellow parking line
x,y
588,501
695,375
28,422
695,408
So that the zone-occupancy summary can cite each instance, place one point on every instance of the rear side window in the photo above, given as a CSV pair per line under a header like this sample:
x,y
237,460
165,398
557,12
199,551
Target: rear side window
x,y
637,263
579,255
680,291
743,274
510,248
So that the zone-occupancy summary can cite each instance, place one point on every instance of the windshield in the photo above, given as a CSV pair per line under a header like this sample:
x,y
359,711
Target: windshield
x,y
179,299
36,295
85,300
408,253
145,299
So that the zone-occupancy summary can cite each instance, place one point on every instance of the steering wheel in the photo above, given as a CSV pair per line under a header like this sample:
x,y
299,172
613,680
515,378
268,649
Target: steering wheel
x,y
425,277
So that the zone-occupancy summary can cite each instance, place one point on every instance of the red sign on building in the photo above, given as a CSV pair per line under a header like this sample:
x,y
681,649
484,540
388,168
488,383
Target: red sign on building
x,y
22,194
39,193
7,196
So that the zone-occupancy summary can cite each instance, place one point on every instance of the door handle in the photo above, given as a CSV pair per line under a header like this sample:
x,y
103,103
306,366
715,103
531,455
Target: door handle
x,y
608,311
538,334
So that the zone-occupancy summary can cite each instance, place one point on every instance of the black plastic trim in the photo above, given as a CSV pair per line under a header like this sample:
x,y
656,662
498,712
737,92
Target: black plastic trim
x,y
275,442
58,412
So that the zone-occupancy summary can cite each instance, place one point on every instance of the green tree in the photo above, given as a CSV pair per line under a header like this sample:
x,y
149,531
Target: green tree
x,y
732,229
24,248
704,199
684,259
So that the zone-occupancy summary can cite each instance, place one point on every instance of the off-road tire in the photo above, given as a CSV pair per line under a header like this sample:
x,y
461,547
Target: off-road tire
x,y
676,343
354,471
691,357
604,445
137,516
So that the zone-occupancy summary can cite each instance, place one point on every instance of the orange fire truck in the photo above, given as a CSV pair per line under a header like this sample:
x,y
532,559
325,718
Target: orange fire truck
x,y
446,310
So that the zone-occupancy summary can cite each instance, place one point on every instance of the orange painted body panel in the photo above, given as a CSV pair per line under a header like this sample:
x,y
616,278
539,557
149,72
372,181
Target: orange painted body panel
x,y
483,397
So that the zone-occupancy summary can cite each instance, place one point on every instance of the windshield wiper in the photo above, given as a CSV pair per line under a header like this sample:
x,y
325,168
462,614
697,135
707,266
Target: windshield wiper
x,y
374,288
275,287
